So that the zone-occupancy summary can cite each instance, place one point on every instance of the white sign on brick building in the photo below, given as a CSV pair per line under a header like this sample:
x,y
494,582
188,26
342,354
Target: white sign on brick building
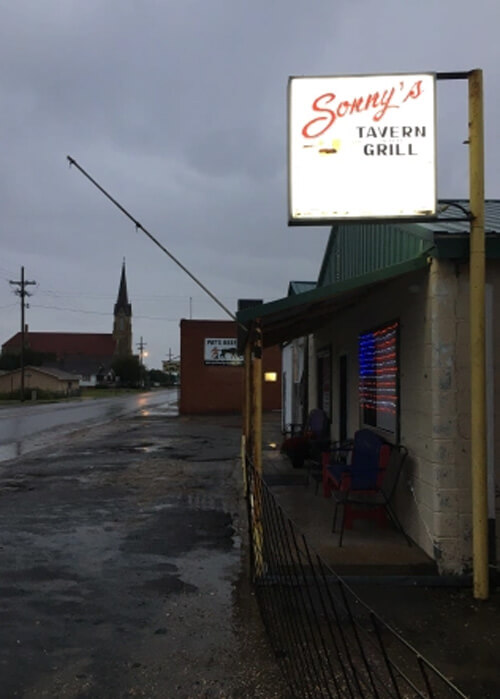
x,y
361,147
222,351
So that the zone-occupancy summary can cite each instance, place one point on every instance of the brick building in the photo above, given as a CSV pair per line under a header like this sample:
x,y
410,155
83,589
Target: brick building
x,y
89,355
212,373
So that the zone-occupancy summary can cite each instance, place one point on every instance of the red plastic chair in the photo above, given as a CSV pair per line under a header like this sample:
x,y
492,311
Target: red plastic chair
x,y
365,486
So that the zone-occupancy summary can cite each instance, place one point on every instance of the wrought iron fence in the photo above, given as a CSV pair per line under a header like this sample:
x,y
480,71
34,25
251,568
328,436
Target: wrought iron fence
x,y
328,642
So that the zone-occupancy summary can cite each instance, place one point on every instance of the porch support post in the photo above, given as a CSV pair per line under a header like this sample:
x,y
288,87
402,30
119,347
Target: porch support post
x,y
477,267
256,447
247,410
257,399
247,388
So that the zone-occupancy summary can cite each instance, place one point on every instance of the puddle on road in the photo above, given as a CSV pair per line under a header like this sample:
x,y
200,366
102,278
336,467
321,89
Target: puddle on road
x,y
10,451
170,411
13,450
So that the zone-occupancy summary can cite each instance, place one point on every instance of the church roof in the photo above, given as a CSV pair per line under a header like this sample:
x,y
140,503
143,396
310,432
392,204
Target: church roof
x,y
122,303
64,344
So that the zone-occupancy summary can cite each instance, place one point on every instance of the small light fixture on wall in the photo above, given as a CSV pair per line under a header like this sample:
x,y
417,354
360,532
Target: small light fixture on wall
x,y
270,376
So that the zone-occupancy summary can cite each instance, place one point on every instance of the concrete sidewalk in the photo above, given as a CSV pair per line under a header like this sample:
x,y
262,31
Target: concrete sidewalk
x,y
368,549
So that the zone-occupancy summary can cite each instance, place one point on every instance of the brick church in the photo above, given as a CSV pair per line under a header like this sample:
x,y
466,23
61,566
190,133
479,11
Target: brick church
x,y
89,355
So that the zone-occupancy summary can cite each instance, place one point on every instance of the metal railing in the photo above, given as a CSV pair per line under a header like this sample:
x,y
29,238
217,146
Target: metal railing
x,y
327,641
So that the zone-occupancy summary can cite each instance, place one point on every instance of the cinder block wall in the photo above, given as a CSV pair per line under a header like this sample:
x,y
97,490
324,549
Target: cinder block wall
x,y
434,496
445,496
428,497
463,448
219,389
493,278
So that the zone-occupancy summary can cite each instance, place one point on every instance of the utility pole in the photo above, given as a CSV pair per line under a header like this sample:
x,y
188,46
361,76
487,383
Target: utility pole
x,y
22,293
141,345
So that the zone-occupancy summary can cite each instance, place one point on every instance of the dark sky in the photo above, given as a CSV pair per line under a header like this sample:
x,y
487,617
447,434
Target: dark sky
x,y
179,109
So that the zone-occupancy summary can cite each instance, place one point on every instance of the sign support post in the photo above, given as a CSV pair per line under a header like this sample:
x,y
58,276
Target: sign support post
x,y
364,148
256,446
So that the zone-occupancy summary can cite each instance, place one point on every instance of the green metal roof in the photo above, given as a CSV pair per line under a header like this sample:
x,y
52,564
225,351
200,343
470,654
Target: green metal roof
x,y
451,209
299,287
294,316
359,248
354,250
359,256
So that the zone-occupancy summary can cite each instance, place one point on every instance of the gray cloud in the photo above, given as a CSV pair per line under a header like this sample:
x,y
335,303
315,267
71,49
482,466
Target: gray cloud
x,y
179,108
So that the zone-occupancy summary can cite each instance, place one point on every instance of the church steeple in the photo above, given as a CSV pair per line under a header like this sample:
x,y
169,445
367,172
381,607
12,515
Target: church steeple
x,y
122,303
122,325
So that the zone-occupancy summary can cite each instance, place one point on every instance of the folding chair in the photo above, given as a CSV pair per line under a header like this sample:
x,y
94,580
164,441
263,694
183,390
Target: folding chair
x,y
368,481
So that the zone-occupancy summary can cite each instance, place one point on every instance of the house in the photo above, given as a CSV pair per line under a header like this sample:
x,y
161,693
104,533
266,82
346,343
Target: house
x,y
387,332
212,372
51,382
87,355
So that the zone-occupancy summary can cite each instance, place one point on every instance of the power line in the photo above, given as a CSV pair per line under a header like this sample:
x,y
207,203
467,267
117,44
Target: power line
x,y
72,310
100,313
79,294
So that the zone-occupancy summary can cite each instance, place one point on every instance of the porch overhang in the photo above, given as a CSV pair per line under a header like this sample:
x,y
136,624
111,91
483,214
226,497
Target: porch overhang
x,y
295,316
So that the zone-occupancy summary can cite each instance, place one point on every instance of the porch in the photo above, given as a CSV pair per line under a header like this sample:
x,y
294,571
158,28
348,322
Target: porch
x,y
368,549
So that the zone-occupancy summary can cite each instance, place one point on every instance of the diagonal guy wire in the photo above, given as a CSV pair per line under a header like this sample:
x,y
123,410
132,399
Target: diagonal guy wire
x,y
139,226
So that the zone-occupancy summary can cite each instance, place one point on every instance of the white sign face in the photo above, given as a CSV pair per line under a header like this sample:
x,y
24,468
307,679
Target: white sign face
x,y
361,147
222,351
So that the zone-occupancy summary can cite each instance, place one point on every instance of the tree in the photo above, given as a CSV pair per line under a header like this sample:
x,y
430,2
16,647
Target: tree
x,y
8,362
156,376
127,371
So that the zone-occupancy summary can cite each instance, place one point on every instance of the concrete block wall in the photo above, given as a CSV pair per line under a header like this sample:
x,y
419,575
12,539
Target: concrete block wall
x,y
493,279
405,299
448,491
463,451
433,498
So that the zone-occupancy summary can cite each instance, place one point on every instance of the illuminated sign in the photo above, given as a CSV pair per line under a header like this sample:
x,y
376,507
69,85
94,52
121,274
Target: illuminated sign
x,y
361,147
222,351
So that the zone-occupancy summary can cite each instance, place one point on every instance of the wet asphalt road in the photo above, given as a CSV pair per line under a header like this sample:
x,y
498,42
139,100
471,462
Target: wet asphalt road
x,y
28,426
124,568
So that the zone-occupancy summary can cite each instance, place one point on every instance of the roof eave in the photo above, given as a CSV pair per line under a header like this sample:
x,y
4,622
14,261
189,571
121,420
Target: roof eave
x,y
293,316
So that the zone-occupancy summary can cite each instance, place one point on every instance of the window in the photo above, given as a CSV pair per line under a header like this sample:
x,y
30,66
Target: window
x,y
379,377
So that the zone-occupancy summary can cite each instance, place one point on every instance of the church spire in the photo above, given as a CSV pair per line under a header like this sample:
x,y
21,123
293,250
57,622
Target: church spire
x,y
122,325
122,303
